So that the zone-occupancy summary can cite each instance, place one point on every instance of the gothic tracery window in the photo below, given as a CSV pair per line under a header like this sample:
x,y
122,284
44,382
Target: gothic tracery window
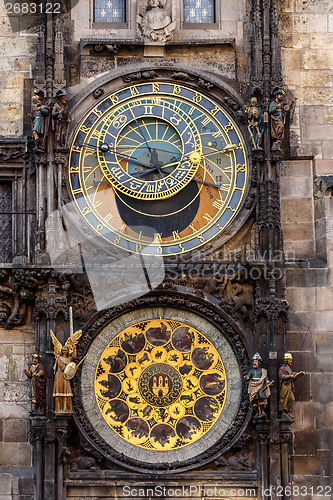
x,y
109,11
199,11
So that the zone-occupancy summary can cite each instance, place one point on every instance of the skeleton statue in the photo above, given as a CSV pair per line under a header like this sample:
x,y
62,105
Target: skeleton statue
x,y
155,20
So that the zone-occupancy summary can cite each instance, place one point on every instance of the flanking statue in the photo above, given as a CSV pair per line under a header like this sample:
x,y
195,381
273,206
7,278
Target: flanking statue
x,y
286,385
37,375
64,355
258,389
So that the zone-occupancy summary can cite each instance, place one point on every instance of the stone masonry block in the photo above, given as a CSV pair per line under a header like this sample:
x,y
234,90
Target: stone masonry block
x,y
15,454
313,6
312,114
20,46
4,367
299,168
295,41
309,23
299,340
307,465
301,249
15,430
17,364
322,387
318,132
321,41
319,96
314,59
296,210
305,443
324,301
12,410
301,299
295,232
292,59
6,484
296,188
303,388
323,167
328,114
16,392
313,78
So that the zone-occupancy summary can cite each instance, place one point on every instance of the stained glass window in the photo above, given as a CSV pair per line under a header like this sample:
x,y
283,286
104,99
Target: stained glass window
x,y
109,11
199,11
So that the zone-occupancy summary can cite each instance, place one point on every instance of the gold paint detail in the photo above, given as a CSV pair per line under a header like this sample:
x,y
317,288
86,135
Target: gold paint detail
x,y
160,384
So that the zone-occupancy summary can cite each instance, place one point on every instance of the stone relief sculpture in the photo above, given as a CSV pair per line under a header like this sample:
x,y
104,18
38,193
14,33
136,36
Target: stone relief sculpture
x,y
255,123
286,385
37,375
64,355
258,389
155,21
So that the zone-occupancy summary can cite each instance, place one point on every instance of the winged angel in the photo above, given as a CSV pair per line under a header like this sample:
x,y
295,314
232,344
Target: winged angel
x,y
155,20
64,355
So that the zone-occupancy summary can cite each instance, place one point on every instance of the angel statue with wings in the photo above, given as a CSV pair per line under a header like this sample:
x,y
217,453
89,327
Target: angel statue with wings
x,y
155,20
64,355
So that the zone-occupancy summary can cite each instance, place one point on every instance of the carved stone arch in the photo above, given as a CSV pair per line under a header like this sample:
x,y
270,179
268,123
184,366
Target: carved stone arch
x,y
185,304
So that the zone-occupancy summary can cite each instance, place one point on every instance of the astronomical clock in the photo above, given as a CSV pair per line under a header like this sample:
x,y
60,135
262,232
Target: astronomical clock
x,y
160,169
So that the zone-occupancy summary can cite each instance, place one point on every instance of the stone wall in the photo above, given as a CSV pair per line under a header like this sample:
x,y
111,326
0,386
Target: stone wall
x,y
307,218
17,48
16,473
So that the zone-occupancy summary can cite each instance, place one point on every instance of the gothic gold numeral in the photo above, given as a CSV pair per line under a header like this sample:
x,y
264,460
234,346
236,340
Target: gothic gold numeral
x,y
134,91
205,121
158,238
108,217
197,97
156,87
207,217
218,204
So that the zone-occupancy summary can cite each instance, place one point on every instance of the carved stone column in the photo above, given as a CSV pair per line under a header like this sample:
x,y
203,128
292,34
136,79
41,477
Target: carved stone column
x,y
36,439
41,160
286,440
62,423
262,432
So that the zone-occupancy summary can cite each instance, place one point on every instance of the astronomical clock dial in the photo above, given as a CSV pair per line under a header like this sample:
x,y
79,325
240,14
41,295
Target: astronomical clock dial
x,y
161,389
158,168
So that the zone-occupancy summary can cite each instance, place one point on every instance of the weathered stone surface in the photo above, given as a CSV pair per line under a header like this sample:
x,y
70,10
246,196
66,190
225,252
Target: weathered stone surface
x,y
15,430
12,410
16,392
305,443
17,364
4,367
301,188
301,299
322,388
18,454
296,210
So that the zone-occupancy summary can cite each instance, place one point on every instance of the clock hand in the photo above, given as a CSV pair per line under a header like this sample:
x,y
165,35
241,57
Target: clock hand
x,y
231,147
126,157
143,137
